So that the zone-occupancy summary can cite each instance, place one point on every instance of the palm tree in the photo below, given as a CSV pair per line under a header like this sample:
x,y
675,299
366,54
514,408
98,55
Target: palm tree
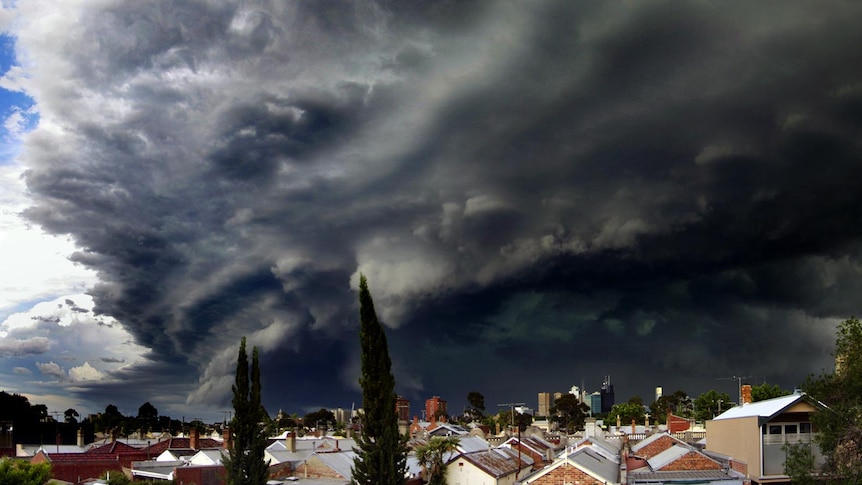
x,y
431,456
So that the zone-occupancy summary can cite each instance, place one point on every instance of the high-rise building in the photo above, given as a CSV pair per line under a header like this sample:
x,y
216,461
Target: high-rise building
x,y
434,406
545,404
402,408
607,395
658,392
595,403
341,416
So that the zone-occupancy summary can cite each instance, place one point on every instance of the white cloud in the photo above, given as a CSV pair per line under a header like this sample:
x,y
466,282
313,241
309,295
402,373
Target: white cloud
x,y
85,372
51,369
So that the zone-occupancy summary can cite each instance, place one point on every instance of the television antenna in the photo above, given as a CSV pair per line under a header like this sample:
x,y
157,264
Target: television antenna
x,y
738,380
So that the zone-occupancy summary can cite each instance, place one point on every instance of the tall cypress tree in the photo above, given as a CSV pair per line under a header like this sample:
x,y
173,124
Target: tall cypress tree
x,y
244,464
382,457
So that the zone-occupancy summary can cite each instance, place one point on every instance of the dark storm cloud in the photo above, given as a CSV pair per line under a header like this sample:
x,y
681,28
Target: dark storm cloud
x,y
663,192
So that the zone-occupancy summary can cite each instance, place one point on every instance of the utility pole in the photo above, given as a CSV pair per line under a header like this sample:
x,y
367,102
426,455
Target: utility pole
x,y
738,380
512,405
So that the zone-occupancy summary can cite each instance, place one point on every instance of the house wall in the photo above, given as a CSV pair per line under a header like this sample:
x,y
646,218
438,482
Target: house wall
x,y
566,474
199,475
737,438
692,461
462,472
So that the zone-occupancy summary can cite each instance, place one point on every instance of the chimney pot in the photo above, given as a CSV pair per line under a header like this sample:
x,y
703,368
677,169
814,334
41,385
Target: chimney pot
x,y
746,394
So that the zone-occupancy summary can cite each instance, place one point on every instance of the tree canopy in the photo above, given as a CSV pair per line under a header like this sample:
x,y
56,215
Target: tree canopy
x,y
20,472
710,404
245,464
570,412
840,426
382,454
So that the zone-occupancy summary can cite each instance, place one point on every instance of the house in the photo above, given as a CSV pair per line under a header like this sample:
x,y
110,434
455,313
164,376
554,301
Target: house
x,y
755,433
497,466
542,452
661,458
334,465
587,464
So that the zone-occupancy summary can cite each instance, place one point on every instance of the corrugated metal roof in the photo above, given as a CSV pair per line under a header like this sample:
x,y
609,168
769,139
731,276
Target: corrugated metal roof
x,y
762,409
498,462
700,476
596,463
469,444
669,455
341,462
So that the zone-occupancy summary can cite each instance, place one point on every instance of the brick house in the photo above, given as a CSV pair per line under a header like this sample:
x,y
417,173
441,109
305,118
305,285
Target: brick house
x,y
661,458
588,464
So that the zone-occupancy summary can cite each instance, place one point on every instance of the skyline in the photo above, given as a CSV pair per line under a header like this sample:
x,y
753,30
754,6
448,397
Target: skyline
x,y
539,194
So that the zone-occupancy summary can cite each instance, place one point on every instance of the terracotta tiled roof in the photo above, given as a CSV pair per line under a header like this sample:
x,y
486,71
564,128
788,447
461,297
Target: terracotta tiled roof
x,y
113,448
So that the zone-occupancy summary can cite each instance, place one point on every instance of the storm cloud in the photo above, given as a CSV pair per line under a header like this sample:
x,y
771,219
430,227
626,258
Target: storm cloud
x,y
539,194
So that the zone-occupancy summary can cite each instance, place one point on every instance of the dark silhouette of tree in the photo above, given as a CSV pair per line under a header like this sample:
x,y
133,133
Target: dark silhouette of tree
x,y
569,411
319,419
244,464
71,416
476,401
382,451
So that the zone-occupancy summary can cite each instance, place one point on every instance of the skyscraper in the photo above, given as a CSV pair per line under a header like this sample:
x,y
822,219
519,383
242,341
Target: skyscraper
x,y
607,395
402,408
545,404
433,407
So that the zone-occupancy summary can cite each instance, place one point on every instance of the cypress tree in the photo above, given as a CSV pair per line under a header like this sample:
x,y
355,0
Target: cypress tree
x,y
382,454
244,464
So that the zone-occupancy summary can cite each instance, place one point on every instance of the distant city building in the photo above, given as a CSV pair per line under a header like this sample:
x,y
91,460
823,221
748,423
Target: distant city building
x,y
341,416
607,395
595,403
545,404
402,408
557,395
435,406
524,410
658,392
575,391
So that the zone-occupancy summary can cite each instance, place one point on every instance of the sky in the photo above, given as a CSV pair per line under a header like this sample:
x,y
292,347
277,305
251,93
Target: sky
x,y
540,194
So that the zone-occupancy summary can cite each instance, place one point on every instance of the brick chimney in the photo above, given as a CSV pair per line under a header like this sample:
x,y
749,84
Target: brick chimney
x,y
746,394
227,438
291,441
194,439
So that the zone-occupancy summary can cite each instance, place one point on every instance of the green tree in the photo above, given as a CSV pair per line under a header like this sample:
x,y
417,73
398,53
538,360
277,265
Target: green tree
x,y
710,404
799,463
570,412
382,455
244,464
116,478
840,426
627,411
766,391
321,418
476,401
432,457
678,403
20,472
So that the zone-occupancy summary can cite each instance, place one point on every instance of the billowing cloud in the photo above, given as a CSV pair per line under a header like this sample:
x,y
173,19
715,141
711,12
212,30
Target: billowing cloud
x,y
30,346
663,192
51,369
